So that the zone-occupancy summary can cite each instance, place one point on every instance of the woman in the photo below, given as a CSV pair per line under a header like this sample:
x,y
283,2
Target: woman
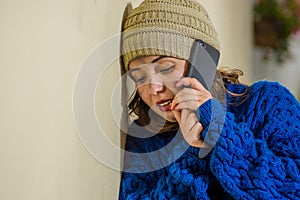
x,y
189,141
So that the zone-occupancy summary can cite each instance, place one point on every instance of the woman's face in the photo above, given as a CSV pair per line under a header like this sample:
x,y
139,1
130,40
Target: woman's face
x,y
155,78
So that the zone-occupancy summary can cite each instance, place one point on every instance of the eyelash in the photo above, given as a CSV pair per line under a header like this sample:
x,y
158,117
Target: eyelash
x,y
166,70
163,71
140,80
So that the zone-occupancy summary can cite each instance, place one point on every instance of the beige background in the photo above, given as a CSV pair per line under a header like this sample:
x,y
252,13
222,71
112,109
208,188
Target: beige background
x,y
42,46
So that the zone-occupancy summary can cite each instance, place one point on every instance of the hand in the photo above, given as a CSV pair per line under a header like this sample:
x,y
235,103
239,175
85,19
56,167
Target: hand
x,y
190,127
184,105
192,96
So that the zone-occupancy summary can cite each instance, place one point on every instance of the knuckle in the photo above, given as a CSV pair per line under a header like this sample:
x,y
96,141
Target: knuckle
x,y
194,79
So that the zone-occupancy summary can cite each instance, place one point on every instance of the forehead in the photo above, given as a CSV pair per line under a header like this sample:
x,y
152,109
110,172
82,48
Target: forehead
x,y
148,60
143,60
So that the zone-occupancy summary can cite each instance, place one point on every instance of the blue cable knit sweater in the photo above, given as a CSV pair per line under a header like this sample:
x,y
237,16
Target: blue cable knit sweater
x,y
256,155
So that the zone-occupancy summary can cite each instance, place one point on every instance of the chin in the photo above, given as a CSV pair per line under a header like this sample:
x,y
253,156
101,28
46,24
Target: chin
x,y
170,118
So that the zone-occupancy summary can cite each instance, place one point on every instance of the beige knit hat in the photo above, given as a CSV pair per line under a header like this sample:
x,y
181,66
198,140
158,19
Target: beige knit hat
x,y
165,27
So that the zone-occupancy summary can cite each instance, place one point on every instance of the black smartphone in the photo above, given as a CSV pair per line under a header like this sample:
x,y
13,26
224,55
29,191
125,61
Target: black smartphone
x,y
203,63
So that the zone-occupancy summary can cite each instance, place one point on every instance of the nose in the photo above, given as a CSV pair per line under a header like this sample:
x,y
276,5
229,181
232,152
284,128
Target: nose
x,y
156,88
156,85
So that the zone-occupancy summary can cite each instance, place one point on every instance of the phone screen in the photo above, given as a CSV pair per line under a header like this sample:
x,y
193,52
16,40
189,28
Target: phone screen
x,y
203,63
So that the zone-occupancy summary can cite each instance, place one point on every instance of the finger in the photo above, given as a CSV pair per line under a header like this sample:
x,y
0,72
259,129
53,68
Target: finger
x,y
187,105
191,91
190,82
197,141
191,129
196,100
196,129
184,116
188,94
189,119
192,119
183,95
193,137
177,115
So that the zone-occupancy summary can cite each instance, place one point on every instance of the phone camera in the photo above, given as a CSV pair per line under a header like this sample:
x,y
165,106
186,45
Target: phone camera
x,y
203,44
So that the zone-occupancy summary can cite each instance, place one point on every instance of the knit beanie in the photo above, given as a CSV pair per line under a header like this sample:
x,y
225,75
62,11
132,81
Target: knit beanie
x,y
165,27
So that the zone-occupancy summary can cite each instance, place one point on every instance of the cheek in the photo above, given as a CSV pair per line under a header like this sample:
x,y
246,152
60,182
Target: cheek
x,y
143,92
170,81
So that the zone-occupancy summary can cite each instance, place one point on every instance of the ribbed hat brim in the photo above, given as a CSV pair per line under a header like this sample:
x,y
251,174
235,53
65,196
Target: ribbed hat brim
x,y
147,41
166,27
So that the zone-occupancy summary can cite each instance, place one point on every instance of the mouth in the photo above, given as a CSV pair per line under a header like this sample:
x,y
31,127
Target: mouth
x,y
164,105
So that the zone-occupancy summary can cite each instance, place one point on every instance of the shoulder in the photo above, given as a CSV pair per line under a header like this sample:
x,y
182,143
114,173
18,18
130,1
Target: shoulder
x,y
271,90
264,85
262,95
273,97
260,91
259,86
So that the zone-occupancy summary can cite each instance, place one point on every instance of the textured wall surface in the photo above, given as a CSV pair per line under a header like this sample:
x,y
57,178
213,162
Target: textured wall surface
x,y
43,44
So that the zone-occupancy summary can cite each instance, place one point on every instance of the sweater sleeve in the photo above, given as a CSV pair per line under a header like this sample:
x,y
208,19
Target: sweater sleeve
x,y
138,186
263,163
141,179
134,184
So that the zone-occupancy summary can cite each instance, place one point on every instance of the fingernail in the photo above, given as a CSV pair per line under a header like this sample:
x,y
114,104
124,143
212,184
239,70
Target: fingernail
x,y
174,107
175,83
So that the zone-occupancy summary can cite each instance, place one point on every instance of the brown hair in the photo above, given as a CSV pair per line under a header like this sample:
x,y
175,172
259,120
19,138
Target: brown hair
x,y
223,77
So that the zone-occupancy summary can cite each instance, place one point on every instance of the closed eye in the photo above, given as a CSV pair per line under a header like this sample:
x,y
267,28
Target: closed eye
x,y
167,69
138,77
139,80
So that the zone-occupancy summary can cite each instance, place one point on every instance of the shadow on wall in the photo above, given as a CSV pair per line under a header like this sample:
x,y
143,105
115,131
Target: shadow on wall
x,y
287,72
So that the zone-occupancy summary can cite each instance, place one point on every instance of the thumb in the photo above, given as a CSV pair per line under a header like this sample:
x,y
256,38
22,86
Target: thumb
x,y
177,115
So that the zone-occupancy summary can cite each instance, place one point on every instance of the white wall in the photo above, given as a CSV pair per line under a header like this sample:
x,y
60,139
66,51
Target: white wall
x,y
286,73
232,19
43,44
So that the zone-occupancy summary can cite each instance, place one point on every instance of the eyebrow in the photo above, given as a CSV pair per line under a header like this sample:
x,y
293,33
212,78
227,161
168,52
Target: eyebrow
x,y
153,61
135,69
157,59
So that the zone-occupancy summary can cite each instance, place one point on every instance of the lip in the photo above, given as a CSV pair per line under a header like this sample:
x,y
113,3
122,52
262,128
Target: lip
x,y
164,105
163,101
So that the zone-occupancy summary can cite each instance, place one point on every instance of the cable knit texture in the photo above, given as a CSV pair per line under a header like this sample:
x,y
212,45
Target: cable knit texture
x,y
256,153
166,27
